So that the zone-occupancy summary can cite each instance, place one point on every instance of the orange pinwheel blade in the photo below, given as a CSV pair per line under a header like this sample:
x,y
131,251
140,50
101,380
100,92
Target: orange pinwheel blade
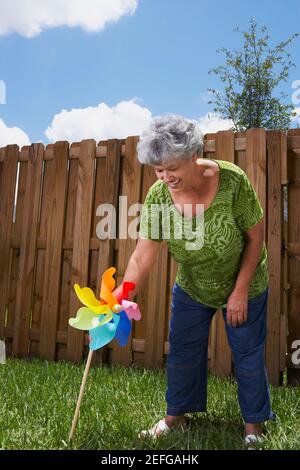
x,y
107,286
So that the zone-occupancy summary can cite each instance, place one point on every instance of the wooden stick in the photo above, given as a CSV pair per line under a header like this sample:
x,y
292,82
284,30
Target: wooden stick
x,y
85,375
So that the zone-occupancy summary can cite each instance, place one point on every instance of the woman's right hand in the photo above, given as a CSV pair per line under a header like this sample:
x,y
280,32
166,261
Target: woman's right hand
x,y
139,265
118,292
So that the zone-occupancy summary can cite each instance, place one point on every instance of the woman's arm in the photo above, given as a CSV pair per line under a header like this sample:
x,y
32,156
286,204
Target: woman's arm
x,y
251,254
140,264
237,304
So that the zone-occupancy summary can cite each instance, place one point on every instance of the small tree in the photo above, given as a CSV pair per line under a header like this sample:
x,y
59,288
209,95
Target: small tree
x,y
250,80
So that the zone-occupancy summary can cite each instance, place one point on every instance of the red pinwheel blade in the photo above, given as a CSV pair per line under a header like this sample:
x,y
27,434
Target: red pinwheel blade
x,y
127,287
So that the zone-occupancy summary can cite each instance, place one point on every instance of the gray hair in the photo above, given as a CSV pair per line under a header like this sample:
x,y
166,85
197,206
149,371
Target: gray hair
x,y
169,138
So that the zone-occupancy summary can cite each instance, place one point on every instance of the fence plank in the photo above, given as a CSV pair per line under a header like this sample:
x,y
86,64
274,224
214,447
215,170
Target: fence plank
x,y
256,166
107,185
7,194
274,227
43,229
284,290
140,327
28,251
172,268
157,311
81,242
131,185
221,362
35,323
64,306
16,243
293,300
209,152
53,253
156,299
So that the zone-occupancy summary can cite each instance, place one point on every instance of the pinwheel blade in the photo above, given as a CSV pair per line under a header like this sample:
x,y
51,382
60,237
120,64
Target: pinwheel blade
x,y
123,330
132,310
85,319
102,335
107,318
87,297
107,285
127,287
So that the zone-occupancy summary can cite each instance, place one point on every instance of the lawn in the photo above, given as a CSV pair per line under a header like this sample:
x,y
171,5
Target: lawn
x,y
38,399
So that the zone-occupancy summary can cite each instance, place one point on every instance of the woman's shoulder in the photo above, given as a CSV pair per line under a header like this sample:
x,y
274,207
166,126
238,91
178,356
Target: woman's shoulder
x,y
231,172
157,191
231,167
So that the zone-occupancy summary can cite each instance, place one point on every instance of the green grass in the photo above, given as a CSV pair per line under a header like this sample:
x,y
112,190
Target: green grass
x,y
38,399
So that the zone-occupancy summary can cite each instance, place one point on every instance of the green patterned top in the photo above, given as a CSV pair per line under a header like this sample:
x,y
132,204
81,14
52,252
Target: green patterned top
x,y
208,260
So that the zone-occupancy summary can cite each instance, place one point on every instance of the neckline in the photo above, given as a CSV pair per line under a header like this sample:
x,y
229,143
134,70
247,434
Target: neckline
x,y
211,204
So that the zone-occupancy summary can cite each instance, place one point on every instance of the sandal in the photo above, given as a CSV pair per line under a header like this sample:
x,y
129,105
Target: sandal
x,y
163,429
152,432
253,441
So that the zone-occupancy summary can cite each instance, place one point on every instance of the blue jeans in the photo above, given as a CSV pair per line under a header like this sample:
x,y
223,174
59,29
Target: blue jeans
x,y
187,359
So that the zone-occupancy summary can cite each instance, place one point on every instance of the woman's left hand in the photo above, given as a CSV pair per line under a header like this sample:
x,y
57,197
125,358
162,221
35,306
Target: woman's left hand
x,y
237,307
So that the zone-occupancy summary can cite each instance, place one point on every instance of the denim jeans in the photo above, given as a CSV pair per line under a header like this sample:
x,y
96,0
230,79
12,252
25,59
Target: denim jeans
x,y
187,359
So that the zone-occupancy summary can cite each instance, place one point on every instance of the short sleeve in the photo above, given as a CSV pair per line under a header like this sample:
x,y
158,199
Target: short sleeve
x,y
247,209
150,222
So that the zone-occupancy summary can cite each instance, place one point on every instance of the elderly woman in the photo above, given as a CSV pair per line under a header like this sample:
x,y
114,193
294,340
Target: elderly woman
x,y
223,265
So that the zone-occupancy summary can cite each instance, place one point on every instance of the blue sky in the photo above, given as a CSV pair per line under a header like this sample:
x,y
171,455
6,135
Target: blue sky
x,y
154,60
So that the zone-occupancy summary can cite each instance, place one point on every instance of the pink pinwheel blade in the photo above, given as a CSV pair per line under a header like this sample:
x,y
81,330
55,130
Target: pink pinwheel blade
x,y
132,310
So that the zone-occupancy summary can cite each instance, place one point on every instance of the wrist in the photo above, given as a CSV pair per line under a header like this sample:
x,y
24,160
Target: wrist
x,y
241,289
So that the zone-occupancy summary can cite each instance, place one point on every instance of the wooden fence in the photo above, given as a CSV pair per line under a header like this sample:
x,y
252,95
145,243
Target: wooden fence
x,y
48,242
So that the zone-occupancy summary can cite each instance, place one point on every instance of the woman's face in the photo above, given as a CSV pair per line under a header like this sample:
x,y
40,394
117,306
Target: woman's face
x,y
178,175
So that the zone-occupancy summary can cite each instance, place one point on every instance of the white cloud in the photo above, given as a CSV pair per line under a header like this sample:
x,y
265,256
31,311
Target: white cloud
x,y
12,135
29,17
212,122
100,123
103,122
296,119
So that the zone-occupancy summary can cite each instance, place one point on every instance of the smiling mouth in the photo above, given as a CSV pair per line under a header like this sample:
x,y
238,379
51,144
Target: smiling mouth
x,y
174,183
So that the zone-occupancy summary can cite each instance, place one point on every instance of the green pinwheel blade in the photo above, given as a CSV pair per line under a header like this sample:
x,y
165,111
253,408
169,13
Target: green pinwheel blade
x,y
85,319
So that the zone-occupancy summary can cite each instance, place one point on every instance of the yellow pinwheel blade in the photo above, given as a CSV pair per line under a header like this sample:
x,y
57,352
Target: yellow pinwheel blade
x,y
87,297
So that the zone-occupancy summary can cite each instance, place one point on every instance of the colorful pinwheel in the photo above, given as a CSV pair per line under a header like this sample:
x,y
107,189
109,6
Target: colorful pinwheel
x,y
106,319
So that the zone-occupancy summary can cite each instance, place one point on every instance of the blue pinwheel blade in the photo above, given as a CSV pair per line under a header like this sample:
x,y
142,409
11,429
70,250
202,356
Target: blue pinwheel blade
x,y
102,335
123,330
